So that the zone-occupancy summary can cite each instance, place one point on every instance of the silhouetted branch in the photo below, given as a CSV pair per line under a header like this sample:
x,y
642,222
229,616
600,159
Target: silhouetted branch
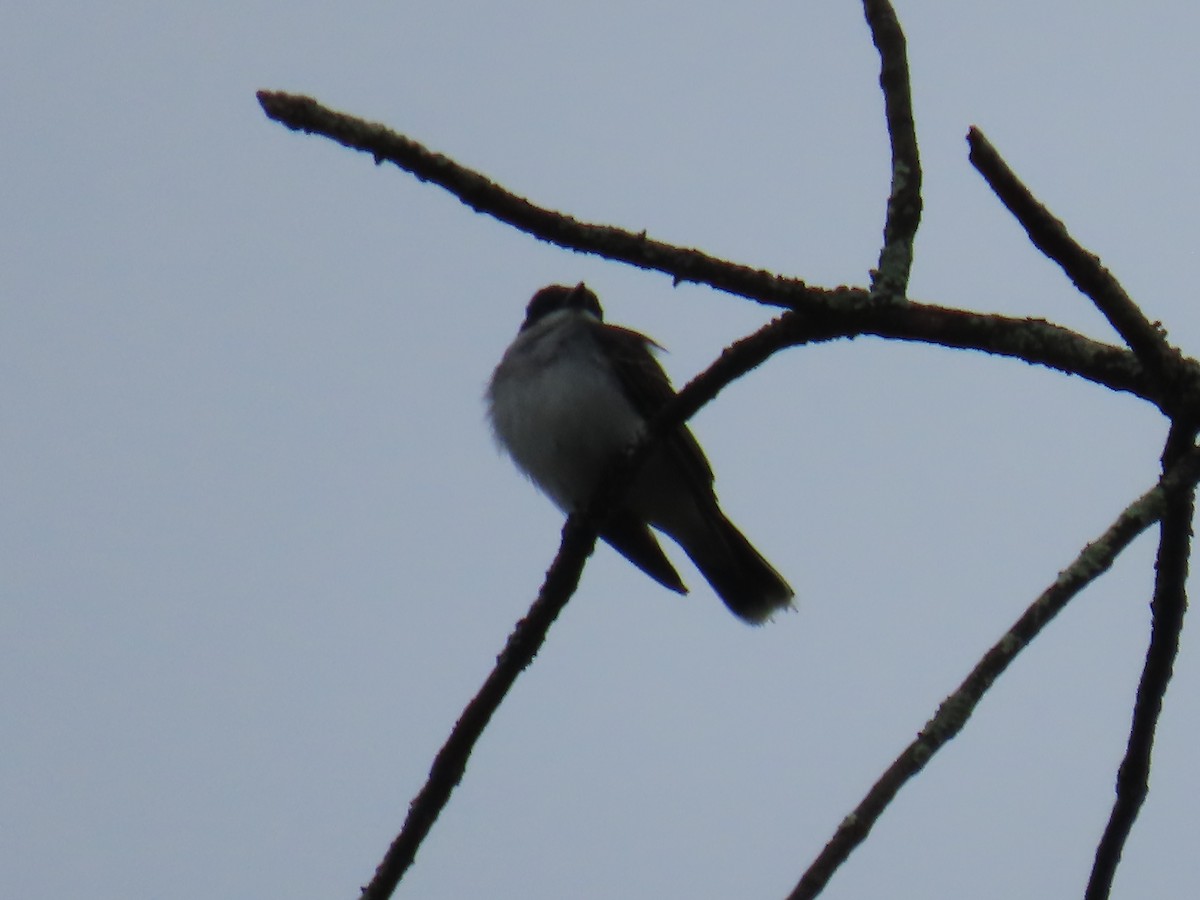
x,y
1167,612
840,309
579,535
952,715
448,767
1151,369
1034,341
1162,363
890,281
1084,269
483,195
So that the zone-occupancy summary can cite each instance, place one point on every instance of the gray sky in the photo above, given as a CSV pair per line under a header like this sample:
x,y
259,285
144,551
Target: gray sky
x,y
259,549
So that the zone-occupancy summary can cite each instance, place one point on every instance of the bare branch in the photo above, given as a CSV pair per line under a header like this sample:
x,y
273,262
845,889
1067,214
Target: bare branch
x,y
1034,341
952,715
913,322
305,114
1167,610
451,761
1084,269
1153,371
890,281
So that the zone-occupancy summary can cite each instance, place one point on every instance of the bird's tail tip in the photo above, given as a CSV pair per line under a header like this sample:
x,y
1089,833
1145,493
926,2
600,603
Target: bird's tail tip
x,y
749,585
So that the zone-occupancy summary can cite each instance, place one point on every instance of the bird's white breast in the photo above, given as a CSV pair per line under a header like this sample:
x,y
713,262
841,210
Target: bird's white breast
x,y
558,410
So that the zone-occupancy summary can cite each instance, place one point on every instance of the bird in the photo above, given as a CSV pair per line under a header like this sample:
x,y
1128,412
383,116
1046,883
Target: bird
x,y
571,393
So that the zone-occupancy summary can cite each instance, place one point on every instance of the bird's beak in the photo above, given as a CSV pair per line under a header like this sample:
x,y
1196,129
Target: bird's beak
x,y
575,298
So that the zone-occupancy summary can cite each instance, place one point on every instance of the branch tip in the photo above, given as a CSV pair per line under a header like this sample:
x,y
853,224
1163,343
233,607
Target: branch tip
x,y
1083,268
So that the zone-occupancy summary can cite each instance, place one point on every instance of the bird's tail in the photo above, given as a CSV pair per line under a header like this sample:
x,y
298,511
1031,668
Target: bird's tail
x,y
748,584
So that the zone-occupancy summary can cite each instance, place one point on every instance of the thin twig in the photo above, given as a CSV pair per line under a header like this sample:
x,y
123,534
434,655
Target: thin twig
x,y
890,281
1084,269
1167,611
953,713
527,638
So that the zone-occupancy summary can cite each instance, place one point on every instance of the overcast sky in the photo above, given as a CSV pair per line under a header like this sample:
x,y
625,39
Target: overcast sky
x,y
258,547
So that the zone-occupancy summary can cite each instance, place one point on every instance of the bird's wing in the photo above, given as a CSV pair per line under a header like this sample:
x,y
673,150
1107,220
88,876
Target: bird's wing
x,y
648,388
634,540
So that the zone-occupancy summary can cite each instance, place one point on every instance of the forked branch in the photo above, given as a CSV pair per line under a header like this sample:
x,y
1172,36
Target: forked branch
x,y
1084,269
1151,369
839,310
1095,559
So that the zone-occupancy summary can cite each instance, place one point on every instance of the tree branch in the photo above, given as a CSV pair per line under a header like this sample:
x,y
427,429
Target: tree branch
x,y
952,715
890,281
1153,370
450,764
1167,612
1034,341
1084,269
951,327
305,114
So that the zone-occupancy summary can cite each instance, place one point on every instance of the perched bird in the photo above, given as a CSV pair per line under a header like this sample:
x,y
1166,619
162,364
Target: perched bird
x,y
570,394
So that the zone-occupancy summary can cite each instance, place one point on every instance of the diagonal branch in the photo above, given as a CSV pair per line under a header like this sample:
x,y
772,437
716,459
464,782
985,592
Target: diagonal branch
x,y
1153,371
1034,341
890,281
450,764
1084,269
305,114
1167,610
952,715
579,536
578,540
